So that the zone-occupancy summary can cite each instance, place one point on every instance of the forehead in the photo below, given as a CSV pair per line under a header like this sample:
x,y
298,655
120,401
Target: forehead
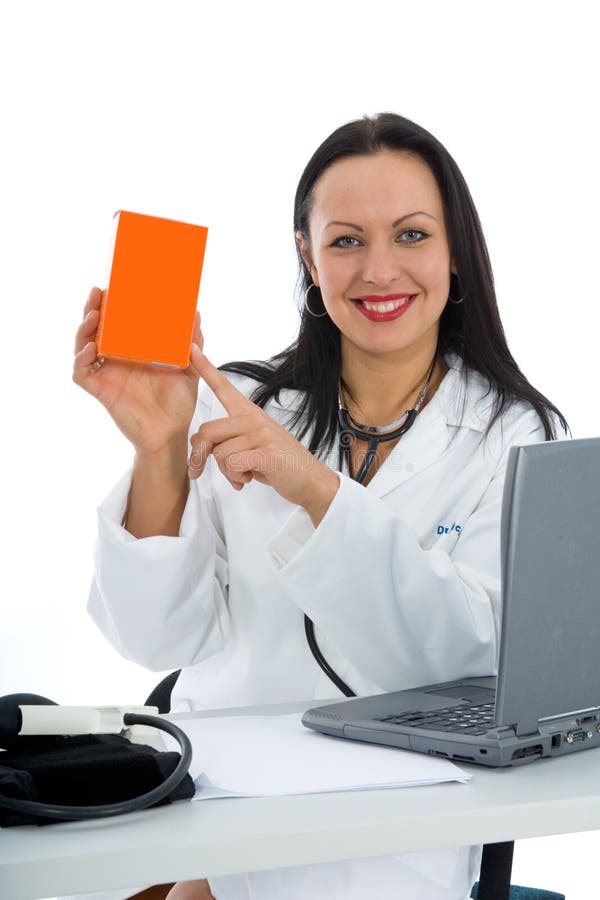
x,y
381,186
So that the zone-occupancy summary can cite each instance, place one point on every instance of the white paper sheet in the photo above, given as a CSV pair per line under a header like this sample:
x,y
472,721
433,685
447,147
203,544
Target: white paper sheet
x,y
259,756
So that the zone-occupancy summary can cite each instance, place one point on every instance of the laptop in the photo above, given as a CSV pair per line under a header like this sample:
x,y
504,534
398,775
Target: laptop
x,y
545,700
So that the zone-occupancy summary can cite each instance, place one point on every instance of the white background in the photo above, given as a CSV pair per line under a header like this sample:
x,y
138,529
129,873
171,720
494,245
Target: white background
x,y
208,112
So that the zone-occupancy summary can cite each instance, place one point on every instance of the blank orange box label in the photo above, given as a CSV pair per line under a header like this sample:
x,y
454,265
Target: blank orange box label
x,y
148,309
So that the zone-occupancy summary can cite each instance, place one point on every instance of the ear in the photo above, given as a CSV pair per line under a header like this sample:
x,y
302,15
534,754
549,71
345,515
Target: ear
x,y
306,255
453,269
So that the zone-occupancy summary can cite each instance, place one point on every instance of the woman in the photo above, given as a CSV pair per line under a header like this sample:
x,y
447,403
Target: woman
x,y
397,584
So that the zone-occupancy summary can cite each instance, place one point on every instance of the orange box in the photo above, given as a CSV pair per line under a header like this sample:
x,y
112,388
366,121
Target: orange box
x,y
147,311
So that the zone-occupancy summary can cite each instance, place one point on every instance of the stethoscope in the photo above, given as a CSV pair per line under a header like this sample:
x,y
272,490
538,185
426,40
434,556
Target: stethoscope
x,y
373,435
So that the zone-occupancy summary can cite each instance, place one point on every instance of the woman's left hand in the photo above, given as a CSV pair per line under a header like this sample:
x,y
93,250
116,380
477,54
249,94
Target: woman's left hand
x,y
249,444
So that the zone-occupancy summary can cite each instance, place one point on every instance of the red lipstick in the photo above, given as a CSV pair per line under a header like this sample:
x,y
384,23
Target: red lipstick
x,y
384,308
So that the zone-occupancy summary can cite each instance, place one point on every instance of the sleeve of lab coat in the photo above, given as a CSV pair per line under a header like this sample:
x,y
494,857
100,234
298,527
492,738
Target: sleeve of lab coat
x,y
162,601
400,614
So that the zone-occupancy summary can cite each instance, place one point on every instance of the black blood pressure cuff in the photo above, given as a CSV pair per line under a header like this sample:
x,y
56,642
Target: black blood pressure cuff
x,y
86,770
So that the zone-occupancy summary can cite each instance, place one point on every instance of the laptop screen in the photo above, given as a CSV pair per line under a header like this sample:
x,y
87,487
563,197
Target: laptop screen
x,y
550,644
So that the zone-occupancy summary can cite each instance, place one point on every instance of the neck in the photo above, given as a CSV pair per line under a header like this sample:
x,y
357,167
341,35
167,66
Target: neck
x,y
378,390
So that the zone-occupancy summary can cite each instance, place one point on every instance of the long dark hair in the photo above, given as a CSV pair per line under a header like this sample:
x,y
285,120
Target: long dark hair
x,y
472,329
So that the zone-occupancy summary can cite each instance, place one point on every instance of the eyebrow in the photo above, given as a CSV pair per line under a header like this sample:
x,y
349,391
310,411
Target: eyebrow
x,y
356,227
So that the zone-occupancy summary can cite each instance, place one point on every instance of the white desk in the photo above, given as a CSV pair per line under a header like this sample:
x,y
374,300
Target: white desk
x,y
188,840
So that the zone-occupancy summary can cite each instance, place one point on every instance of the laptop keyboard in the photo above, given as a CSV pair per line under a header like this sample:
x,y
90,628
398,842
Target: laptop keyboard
x,y
476,719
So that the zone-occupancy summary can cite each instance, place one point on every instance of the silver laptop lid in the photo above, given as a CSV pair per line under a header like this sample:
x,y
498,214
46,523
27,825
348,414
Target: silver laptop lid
x,y
550,648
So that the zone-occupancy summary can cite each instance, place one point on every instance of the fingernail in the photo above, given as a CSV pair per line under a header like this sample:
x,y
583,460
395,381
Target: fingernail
x,y
195,468
91,313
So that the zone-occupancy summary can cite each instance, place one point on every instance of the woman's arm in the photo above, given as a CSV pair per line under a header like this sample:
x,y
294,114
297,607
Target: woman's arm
x,y
400,614
159,490
159,592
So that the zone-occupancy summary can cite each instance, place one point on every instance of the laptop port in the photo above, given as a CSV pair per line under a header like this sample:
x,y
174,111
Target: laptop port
x,y
556,741
532,750
574,737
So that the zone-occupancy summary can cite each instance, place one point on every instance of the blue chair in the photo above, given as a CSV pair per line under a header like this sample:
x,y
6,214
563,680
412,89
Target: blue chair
x,y
525,893
494,877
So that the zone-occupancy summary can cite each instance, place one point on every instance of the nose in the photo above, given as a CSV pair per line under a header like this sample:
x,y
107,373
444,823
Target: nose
x,y
381,264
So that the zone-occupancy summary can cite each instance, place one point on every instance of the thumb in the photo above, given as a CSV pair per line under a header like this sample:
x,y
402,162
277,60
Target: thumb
x,y
196,357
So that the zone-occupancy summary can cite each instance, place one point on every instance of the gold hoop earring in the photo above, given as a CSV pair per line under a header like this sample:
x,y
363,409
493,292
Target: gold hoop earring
x,y
307,307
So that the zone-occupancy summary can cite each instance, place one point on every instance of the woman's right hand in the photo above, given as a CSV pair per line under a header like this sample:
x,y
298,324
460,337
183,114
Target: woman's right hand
x,y
153,406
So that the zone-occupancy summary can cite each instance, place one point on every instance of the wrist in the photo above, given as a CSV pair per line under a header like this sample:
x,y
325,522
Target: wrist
x,y
159,490
322,496
168,462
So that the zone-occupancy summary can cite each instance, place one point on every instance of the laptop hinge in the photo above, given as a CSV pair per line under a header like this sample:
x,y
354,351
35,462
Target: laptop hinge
x,y
501,733
525,728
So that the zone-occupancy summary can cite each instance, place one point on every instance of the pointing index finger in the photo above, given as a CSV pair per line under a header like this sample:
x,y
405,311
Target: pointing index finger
x,y
233,400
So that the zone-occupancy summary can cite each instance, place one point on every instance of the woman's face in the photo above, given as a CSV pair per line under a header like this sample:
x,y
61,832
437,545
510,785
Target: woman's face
x,y
378,250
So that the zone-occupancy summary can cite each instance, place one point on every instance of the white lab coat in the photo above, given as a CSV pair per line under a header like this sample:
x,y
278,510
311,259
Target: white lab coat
x,y
401,578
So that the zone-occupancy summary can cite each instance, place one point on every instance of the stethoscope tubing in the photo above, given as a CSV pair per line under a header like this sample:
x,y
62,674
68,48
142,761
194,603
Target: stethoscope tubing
x,y
347,430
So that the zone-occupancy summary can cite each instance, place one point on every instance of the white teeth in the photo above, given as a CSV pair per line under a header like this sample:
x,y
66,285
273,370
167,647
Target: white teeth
x,y
389,306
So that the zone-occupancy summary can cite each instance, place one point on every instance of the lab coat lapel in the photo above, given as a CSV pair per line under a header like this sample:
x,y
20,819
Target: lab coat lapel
x,y
451,407
414,452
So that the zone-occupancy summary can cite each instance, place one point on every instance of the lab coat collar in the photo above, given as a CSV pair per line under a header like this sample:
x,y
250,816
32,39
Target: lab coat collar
x,y
461,401
465,395
414,452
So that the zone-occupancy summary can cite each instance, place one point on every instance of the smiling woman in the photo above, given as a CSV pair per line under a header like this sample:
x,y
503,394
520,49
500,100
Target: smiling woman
x,y
310,505
358,249
382,203
374,269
